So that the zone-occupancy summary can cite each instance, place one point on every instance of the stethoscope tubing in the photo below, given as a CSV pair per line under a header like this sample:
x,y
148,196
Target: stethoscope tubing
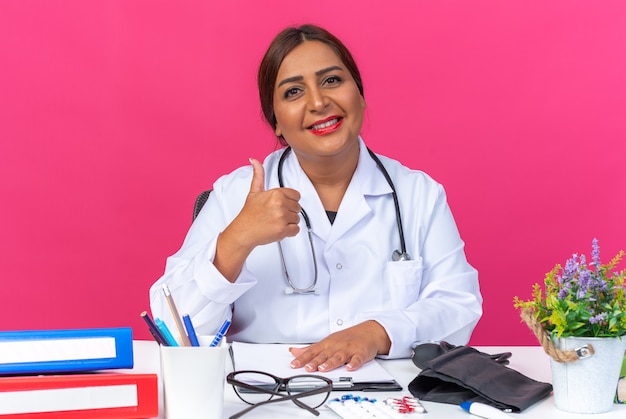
x,y
396,255
395,199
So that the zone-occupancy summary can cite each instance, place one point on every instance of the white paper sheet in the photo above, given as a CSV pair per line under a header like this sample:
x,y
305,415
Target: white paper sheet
x,y
275,359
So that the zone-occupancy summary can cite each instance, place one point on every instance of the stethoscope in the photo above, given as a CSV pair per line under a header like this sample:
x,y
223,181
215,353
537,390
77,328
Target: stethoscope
x,y
397,255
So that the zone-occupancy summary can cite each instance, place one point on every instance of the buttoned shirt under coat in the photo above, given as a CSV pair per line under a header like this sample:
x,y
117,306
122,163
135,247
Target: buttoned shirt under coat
x,y
433,297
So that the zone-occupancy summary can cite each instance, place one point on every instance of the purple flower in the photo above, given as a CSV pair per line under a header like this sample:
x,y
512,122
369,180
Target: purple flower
x,y
584,282
599,283
595,253
598,318
570,267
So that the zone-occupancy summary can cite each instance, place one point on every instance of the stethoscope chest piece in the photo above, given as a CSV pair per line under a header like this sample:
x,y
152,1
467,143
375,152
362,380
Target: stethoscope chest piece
x,y
292,290
398,256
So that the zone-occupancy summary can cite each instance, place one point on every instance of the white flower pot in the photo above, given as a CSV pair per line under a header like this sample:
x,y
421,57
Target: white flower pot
x,y
589,384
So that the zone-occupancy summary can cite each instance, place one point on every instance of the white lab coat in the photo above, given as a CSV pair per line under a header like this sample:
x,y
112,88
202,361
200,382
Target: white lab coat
x,y
433,297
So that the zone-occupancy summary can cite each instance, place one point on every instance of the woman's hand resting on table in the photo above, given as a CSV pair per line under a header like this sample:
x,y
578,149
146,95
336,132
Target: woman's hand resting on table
x,y
352,347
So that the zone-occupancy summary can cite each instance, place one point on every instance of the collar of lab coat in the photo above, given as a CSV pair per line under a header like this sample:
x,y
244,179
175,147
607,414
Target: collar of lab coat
x,y
366,181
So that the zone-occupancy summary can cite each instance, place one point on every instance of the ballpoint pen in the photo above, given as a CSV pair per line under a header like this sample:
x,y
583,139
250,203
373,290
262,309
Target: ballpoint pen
x,y
154,330
166,332
220,333
193,338
174,310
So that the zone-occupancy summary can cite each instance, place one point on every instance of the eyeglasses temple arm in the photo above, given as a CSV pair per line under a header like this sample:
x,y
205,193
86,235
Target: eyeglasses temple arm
x,y
292,397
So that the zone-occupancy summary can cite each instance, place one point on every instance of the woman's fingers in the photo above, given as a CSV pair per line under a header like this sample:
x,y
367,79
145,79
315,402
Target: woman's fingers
x,y
352,347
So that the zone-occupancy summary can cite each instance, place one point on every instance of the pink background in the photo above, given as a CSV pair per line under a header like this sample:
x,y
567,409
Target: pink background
x,y
115,114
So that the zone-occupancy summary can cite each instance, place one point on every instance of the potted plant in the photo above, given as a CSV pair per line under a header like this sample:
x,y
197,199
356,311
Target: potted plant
x,y
579,317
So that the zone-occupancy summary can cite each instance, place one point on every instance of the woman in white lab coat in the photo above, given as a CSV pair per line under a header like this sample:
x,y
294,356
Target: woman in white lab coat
x,y
349,288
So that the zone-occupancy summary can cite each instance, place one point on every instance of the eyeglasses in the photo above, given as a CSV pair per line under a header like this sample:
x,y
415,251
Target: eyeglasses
x,y
259,388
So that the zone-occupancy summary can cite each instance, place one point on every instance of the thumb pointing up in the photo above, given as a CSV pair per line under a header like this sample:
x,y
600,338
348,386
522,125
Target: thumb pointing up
x,y
258,176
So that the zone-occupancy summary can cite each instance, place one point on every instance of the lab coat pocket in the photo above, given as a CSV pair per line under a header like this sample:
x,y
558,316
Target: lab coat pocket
x,y
403,280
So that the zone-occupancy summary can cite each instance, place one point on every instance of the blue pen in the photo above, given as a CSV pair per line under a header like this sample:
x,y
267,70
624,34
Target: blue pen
x,y
166,332
190,331
220,334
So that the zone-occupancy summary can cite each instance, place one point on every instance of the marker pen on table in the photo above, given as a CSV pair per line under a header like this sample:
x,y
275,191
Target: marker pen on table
x,y
484,410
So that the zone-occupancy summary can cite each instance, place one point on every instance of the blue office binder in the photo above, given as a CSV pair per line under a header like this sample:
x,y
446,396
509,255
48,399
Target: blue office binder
x,y
59,351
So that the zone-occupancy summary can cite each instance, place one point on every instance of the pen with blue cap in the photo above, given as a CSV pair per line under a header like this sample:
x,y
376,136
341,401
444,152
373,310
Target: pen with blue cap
x,y
169,338
484,410
193,338
220,333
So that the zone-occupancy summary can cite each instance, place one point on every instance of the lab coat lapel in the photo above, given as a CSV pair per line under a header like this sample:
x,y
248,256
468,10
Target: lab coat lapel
x,y
294,177
366,181
353,209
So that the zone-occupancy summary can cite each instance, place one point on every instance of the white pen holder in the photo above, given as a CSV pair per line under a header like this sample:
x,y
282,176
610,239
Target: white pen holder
x,y
193,379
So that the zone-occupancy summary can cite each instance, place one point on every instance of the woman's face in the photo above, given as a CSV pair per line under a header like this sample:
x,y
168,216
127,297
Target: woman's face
x,y
318,107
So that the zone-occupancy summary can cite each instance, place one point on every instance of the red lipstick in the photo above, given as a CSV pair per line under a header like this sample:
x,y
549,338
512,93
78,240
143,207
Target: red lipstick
x,y
326,126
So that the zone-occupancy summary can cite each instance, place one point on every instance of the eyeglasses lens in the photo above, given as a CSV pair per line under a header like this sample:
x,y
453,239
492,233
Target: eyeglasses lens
x,y
263,381
308,384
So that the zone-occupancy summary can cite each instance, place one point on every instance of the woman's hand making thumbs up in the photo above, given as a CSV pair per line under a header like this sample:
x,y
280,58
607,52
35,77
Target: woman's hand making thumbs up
x,y
266,217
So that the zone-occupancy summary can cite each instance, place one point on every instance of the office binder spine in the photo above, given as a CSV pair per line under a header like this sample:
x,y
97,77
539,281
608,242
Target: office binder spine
x,y
61,351
73,396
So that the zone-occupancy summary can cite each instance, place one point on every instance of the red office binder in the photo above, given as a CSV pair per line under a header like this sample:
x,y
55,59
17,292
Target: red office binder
x,y
89,395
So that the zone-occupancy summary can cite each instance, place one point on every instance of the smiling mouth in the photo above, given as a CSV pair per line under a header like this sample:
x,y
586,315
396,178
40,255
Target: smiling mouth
x,y
325,124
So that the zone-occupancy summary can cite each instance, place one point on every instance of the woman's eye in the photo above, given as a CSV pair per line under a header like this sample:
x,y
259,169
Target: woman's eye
x,y
332,80
291,92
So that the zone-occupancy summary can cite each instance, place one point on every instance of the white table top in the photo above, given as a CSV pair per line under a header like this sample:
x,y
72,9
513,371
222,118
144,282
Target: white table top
x,y
529,360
